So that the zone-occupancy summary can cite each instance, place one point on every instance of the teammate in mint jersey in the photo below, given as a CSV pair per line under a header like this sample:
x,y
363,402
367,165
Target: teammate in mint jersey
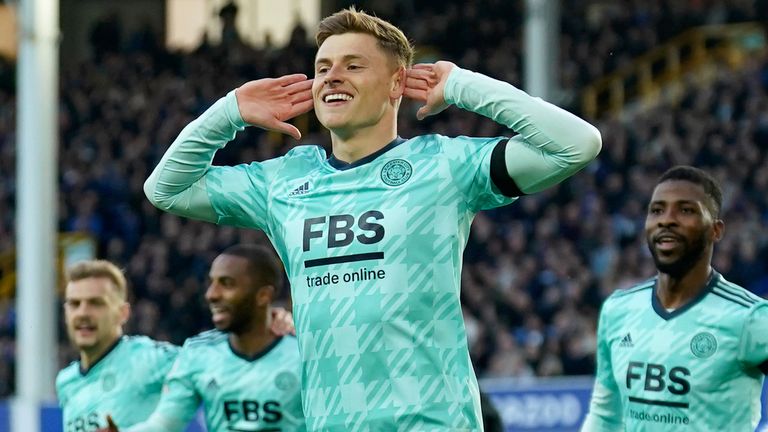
x,y
116,374
372,236
686,350
245,376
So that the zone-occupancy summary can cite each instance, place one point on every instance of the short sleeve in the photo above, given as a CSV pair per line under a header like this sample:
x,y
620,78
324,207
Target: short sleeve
x,y
753,346
605,404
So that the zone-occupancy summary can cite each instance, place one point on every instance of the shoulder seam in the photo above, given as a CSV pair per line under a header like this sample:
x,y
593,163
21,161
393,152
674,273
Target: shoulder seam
x,y
738,291
641,287
206,337
728,296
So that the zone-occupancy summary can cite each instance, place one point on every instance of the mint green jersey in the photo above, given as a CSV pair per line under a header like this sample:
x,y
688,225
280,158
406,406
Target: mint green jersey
x,y
125,383
373,249
373,252
697,368
238,393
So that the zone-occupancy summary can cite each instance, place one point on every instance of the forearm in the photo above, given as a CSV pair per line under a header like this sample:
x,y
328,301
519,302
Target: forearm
x,y
177,184
554,143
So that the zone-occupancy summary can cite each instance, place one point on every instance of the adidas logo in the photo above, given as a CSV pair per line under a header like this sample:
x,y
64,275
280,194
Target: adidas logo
x,y
301,190
212,386
626,341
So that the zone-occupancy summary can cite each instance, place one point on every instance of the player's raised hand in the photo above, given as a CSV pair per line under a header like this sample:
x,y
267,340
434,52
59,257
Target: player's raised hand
x,y
282,322
111,426
425,82
268,103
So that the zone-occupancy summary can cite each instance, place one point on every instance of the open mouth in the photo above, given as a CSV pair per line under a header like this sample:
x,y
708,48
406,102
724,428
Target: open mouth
x,y
667,242
337,98
85,329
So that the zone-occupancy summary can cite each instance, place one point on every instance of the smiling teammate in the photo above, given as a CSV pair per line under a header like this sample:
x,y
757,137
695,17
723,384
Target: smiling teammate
x,y
245,377
116,374
686,350
372,236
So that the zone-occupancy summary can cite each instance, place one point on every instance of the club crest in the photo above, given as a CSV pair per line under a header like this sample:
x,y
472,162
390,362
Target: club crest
x,y
703,345
396,172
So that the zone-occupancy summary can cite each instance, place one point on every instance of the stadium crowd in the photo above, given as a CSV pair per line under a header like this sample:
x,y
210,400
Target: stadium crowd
x,y
535,272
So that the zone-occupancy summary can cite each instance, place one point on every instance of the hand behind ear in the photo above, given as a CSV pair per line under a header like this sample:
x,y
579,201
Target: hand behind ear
x,y
425,82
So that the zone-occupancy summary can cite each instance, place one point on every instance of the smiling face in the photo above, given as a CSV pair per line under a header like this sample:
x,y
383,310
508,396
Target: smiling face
x,y
357,84
680,227
94,313
233,296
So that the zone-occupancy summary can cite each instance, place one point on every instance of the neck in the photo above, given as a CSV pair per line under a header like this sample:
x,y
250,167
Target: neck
x,y
351,146
675,292
89,356
253,339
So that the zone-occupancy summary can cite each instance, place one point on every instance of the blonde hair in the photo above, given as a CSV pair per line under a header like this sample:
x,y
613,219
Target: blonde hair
x,y
391,39
99,269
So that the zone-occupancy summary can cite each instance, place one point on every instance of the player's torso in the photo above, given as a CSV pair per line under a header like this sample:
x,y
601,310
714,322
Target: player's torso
x,y
376,243
374,258
251,394
679,373
107,389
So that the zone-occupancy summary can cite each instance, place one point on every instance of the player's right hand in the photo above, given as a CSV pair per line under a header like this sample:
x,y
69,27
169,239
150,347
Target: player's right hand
x,y
111,426
268,103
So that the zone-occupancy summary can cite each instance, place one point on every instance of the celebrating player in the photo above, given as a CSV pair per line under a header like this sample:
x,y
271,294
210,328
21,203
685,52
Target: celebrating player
x,y
372,236
246,377
120,376
686,350
105,379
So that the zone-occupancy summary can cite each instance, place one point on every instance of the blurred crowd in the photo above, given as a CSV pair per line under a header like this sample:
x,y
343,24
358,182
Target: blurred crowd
x,y
535,272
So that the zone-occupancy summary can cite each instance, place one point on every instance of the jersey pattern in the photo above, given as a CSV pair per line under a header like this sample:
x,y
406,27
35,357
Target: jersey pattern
x,y
373,252
262,393
697,368
125,383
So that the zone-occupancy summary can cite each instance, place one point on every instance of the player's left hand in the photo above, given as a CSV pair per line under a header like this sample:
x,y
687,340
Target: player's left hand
x,y
425,82
111,426
282,322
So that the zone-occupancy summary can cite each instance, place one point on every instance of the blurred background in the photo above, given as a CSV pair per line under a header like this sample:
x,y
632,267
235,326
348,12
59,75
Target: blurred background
x,y
666,81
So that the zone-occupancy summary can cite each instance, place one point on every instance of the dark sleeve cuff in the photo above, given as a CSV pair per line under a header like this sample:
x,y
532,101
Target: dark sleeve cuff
x,y
764,367
499,174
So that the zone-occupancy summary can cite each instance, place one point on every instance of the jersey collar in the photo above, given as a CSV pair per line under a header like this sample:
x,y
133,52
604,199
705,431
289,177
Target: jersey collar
x,y
259,354
668,315
342,166
84,372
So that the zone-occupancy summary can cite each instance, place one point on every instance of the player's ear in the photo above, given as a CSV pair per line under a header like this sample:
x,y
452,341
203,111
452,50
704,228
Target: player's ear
x,y
265,295
125,312
718,229
398,83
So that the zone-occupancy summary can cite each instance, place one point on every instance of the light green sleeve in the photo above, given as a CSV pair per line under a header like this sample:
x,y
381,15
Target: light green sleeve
x,y
753,344
178,402
605,412
178,183
553,144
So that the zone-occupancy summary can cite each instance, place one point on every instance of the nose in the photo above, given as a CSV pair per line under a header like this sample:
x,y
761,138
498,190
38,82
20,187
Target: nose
x,y
333,75
212,292
667,218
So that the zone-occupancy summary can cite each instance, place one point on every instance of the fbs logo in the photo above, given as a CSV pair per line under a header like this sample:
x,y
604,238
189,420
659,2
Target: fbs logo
x,y
626,341
301,190
396,172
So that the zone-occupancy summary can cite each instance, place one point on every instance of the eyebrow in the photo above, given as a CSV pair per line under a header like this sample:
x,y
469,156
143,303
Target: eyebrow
x,y
345,58
691,202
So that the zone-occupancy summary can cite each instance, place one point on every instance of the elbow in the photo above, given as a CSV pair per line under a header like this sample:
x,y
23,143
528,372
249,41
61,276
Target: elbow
x,y
150,192
592,143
